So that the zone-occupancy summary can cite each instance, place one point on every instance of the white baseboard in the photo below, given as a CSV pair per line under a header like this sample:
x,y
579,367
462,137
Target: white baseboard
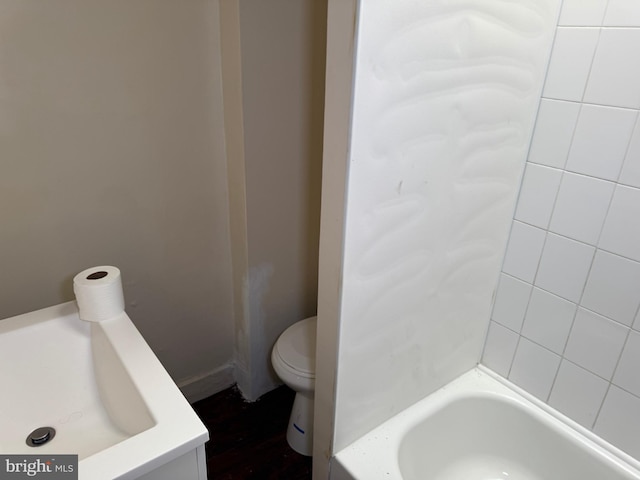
x,y
202,386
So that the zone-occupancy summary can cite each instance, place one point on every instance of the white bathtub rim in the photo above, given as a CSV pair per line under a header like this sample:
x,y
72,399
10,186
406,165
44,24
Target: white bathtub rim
x,y
478,382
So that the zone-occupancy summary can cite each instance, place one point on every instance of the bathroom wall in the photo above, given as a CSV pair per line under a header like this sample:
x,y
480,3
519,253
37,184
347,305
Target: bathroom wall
x,y
280,52
565,324
445,96
112,148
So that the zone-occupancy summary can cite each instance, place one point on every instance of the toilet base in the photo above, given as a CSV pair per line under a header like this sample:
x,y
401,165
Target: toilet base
x,y
300,430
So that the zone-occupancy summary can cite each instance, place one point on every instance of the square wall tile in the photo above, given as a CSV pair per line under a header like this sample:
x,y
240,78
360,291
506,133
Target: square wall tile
x,y
582,12
523,251
581,207
621,231
613,287
600,141
615,73
622,13
511,302
537,194
578,393
499,349
619,419
534,368
595,343
627,374
552,136
630,174
636,323
548,320
571,57
564,267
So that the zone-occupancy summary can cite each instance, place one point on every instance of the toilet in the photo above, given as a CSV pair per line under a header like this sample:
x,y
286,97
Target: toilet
x,y
294,360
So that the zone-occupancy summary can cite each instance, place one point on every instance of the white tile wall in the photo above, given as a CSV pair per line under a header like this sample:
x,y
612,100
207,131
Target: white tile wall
x,y
501,346
630,174
578,393
582,12
615,75
523,251
627,372
553,133
600,141
613,287
548,320
574,337
595,343
622,13
564,266
511,302
534,368
570,63
619,419
621,232
538,194
581,207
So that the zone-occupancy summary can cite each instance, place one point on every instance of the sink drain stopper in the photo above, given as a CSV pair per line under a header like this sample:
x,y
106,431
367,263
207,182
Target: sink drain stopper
x,y
40,436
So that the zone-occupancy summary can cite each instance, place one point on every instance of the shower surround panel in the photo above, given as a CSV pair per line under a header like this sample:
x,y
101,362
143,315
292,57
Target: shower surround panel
x,y
445,96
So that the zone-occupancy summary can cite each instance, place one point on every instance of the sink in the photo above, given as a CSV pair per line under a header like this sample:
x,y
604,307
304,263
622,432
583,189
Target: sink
x,y
102,389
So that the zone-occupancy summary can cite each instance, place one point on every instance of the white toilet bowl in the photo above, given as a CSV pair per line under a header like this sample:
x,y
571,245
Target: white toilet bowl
x,y
294,360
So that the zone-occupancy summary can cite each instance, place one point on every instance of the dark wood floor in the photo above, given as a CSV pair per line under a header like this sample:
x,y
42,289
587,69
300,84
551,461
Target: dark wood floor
x,y
248,440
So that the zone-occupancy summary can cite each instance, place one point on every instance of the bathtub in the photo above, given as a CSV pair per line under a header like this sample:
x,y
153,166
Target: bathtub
x,y
481,427
104,392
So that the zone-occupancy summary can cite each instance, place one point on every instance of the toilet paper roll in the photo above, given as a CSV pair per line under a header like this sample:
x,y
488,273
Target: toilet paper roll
x,y
99,293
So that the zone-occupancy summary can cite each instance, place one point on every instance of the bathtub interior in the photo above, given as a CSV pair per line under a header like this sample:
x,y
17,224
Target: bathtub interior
x,y
481,427
49,379
493,436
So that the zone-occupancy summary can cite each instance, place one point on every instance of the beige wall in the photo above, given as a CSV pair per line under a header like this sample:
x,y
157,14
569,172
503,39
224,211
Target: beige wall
x,y
112,152
282,63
